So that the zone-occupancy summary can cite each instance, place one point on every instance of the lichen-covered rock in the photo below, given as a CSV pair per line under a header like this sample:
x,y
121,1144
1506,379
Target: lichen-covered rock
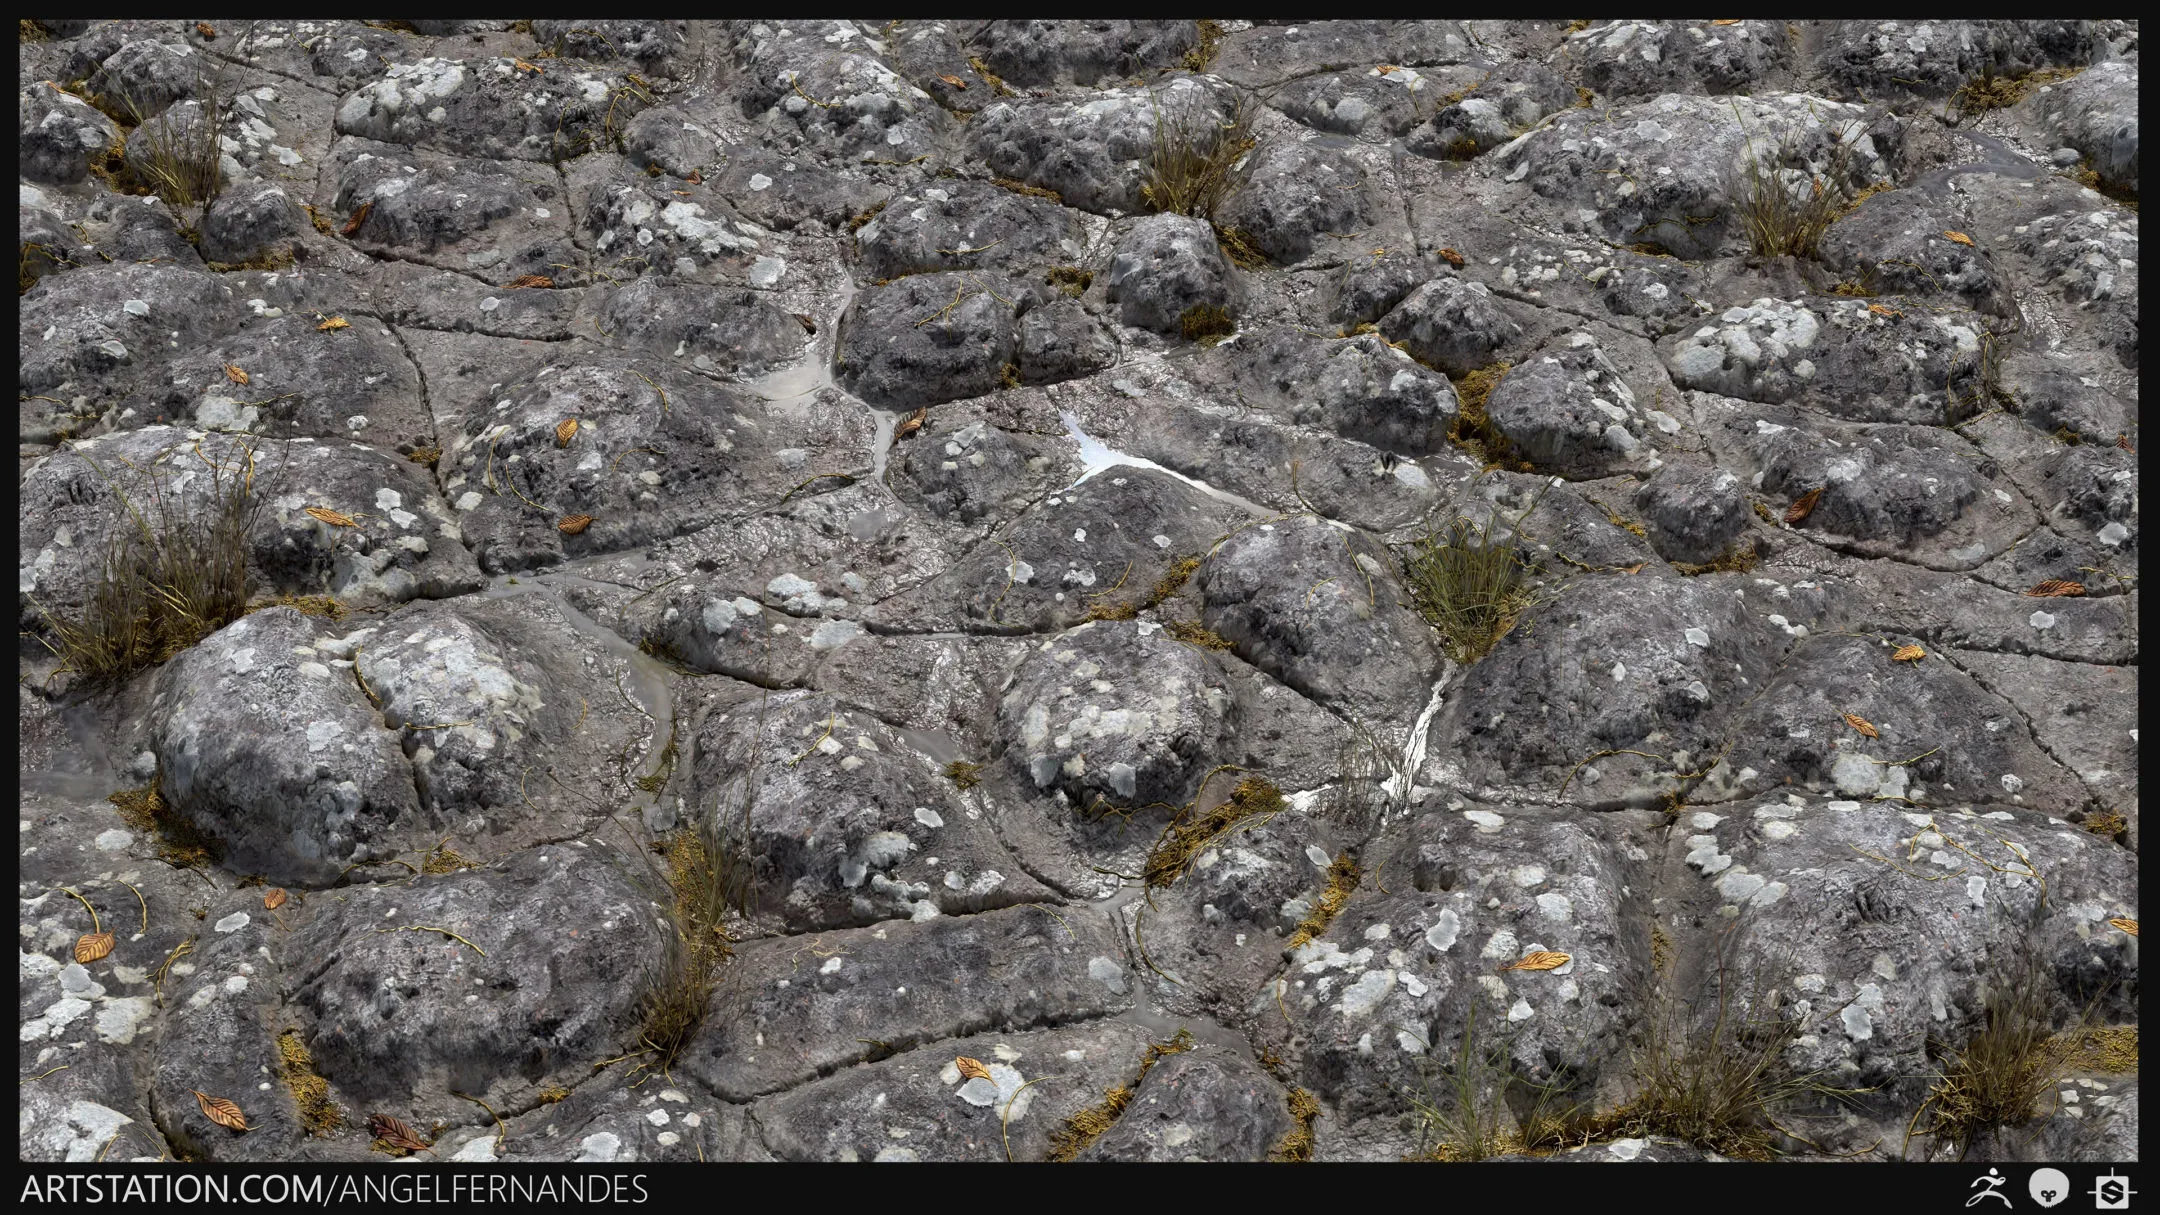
x,y
966,225
76,328
1029,53
969,471
1934,58
1202,1104
58,136
1318,607
1568,409
1692,514
1645,58
928,338
2096,112
498,220
493,107
652,45
145,76
1094,153
721,331
1169,267
1363,388
1902,242
1117,712
847,824
1450,323
1293,193
1506,103
251,222
818,86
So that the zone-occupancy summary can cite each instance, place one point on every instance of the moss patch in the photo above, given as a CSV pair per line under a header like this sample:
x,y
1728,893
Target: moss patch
x,y
2112,1049
1192,632
1297,1146
1738,559
325,606
319,1116
1069,280
963,774
1473,430
178,842
1203,52
1206,321
1085,1127
1342,878
1254,801
2107,822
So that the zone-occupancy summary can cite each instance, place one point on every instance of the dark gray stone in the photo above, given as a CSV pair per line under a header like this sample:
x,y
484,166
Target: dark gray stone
x,y
1692,513
1166,266
58,136
1451,324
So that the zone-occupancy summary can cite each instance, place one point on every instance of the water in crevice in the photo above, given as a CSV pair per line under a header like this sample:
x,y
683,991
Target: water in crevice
x,y
1095,456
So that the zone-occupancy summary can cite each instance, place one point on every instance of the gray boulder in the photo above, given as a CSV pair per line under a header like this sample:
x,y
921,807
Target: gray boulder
x,y
247,222
1898,243
1206,1103
1030,53
1451,324
1645,58
818,86
928,338
1291,193
1692,513
1568,409
1093,153
145,76
965,225
2096,112
1165,267
58,136
492,108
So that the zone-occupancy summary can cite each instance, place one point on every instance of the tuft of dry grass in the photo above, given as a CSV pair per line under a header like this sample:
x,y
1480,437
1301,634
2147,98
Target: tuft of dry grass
x,y
1191,169
1784,219
1468,581
1988,91
1192,632
963,774
1069,280
1473,430
2106,822
1297,1146
2001,1075
173,578
319,1116
1203,51
1738,559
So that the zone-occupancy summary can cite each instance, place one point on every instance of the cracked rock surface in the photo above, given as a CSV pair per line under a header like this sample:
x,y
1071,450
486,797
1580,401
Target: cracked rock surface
x,y
847,590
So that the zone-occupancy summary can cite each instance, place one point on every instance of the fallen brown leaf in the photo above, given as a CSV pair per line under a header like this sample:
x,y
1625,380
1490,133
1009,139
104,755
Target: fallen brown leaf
x,y
910,424
528,280
236,375
1633,569
574,524
1540,959
1884,310
2057,588
331,517
335,322
396,1133
527,67
972,1068
1452,258
1860,723
565,431
358,217
220,1111
1734,21
207,30
809,323
2127,925
1908,653
954,81
1803,506
696,178
1958,237
2123,441
92,946
274,898
1386,68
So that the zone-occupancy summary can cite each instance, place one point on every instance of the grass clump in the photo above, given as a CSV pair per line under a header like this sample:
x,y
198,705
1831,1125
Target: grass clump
x,y
1203,51
710,876
1172,581
1787,218
179,844
2106,822
1252,803
963,774
1085,1127
1192,167
1988,91
1203,322
1473,430
168,581
1069,280
1470,1120
1343,876
442,858
1468,581
319,1116
2004,1071
325,607
1021,187
2112,1049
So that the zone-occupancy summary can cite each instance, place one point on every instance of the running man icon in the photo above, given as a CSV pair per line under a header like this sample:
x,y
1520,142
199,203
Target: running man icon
x,y
1994,1182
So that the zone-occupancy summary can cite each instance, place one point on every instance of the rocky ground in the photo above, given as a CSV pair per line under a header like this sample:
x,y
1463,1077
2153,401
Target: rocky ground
x,y
737,425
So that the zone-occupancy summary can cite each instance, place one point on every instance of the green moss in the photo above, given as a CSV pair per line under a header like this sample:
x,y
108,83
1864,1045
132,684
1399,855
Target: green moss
x,y
1205,321
311,1093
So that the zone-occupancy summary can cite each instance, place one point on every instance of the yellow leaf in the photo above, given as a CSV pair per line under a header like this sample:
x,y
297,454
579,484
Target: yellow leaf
x,y
1883,310
2129,926
1386,68
1452,258
1734,21
359,217
565,430
331,517
972,1068
954,81
1908,653
236,375
1540,959
574,524
335,322
273,899
207,30
527,67
221,1111
911,423
93,946
1959,237
1860,723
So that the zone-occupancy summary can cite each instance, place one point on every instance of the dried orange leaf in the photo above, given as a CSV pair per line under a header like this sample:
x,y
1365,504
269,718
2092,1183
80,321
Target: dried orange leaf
x,y
2123,441
1539,959
528,280
910,424
696,178
2129,926
1883,310
1386,68
1452,258
396,1133
1734,21
207,30
565,431
1633,569
1959,237
573,524
1860,723
335,322
93,946
954,81
1803,506
221,1111
274,898
527,67
2056,588
359,217
1908,653
236,375
331,517
972,1068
